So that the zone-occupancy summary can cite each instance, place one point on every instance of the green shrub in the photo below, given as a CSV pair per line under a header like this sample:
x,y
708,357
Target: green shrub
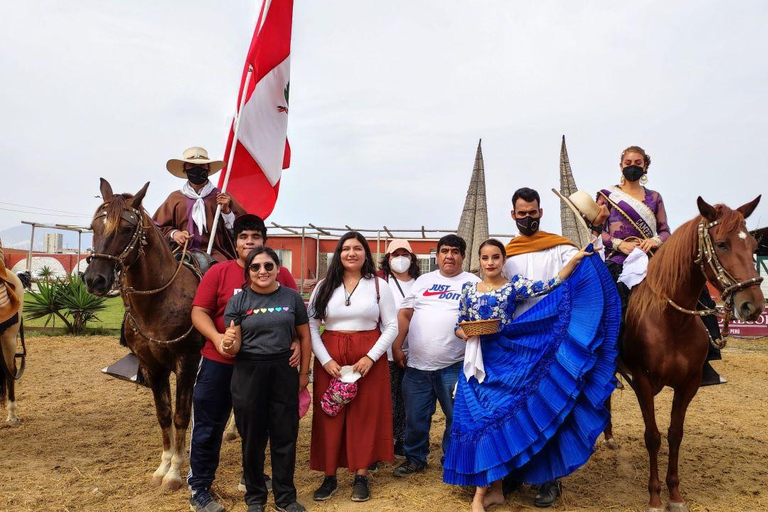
x,y
67,300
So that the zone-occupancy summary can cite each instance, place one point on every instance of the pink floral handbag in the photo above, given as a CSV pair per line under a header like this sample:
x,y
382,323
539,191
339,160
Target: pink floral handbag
x,y
337,396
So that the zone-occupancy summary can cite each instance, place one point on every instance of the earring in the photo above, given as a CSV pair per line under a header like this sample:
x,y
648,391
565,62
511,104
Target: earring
x,y
622,180
644,179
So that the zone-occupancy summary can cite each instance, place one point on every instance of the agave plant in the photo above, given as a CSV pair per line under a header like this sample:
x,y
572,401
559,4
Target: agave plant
x,y
46,303
66,300
80,305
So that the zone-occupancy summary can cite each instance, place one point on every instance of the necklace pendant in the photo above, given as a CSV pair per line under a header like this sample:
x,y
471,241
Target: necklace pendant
x,y
347,302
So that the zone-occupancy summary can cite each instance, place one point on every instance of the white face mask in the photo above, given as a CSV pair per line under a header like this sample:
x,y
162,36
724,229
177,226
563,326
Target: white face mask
x,y
400,264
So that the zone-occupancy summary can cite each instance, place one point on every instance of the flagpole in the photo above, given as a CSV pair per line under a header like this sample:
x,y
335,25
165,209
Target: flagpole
x,y
230,160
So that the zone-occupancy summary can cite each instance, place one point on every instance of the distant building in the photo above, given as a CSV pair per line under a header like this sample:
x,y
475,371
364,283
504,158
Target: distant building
x,y
53,242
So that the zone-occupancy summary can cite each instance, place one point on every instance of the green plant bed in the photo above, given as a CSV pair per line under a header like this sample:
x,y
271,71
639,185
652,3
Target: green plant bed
x,y
110,318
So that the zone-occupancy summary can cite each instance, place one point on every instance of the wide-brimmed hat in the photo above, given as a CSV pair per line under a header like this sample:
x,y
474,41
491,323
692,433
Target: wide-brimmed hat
x,y
399,244
195,155
582,204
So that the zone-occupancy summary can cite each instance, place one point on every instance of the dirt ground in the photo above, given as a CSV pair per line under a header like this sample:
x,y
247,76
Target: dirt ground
x,y
90,442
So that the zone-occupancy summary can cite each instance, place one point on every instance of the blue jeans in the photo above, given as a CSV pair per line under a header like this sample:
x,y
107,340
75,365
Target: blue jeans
x,y
421,390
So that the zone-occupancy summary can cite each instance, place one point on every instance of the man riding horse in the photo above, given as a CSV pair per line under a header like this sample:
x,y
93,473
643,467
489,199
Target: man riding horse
x,y
187,214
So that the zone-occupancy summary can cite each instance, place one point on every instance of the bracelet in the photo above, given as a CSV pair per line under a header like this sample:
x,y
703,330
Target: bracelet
x,y
616,242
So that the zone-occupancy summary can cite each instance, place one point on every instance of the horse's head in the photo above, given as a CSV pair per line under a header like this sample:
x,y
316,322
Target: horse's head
x,y
731,267
117,237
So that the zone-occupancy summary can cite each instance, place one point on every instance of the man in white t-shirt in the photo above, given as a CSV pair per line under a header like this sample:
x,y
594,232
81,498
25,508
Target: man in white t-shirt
x,y
428,317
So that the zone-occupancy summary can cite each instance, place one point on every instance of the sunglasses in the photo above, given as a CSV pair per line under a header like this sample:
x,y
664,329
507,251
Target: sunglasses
x,y
255,267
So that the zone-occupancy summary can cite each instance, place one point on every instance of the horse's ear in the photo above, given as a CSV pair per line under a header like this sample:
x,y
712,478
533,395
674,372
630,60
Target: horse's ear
x,y
747,209
106,190
139,197
706,210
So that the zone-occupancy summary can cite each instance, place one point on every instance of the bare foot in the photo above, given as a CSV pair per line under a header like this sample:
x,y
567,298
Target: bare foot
x,y
493,498
477,504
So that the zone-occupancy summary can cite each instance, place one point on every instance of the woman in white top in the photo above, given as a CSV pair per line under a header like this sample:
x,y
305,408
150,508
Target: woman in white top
x,y
400,268
351,301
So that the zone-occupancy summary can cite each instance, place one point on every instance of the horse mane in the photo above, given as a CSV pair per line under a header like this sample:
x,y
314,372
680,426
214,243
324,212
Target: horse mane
x,y
674,259
114,207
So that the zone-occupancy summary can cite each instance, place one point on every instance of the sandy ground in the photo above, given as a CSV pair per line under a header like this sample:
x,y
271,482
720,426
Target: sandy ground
x,y
90,442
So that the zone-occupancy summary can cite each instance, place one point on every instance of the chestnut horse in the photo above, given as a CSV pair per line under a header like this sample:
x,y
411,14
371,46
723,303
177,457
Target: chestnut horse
x,y
665,343
157,292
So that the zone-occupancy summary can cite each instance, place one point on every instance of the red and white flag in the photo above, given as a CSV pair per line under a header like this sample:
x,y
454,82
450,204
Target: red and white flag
x,y
262,150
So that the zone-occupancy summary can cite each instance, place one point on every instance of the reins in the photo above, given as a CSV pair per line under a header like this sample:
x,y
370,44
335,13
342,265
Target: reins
x,y
138,238
706,255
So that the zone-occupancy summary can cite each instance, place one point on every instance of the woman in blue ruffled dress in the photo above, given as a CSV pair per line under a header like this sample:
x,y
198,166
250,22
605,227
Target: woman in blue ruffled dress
x,y
538,406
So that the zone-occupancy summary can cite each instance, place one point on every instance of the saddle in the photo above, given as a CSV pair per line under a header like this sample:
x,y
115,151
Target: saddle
x,y
197,261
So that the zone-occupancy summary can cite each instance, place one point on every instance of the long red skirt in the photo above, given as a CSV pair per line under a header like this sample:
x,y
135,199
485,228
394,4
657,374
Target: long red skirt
x,y
361,433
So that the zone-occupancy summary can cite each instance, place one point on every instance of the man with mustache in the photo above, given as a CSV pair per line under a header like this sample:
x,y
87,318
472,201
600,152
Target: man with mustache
x,y
428,316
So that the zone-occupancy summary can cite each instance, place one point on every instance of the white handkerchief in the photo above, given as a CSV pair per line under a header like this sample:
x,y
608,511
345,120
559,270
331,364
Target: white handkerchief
x,y
635,268
348,374
473,360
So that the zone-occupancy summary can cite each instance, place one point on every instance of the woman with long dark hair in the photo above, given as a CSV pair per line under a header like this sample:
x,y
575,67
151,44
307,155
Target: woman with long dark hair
x,y
351,301
263,321
400,268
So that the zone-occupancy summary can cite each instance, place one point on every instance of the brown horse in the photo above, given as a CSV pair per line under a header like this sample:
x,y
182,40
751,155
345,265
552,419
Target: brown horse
x,y
9,330
157,292
665,343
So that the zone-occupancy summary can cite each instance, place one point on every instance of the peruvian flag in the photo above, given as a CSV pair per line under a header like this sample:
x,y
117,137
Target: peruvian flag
x,y
262,150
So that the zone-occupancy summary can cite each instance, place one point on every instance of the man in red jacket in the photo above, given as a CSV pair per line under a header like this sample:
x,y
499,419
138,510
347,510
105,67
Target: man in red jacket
x,y
212,399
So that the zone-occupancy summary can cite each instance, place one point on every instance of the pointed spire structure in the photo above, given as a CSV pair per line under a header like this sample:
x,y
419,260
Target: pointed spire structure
x,y
473,225
569,225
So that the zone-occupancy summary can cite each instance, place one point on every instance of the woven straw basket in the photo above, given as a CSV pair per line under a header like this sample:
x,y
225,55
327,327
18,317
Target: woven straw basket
x,y
480,327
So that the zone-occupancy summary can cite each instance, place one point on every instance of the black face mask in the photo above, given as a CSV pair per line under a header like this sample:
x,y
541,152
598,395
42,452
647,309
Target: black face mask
x,y
197,175
527,225
633,172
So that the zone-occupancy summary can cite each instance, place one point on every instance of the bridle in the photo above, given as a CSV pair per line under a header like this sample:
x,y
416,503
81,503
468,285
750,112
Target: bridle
x,y
138,240
706,256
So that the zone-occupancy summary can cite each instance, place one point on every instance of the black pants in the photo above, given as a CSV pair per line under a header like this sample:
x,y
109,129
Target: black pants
x,y
398,407
265,395
705,302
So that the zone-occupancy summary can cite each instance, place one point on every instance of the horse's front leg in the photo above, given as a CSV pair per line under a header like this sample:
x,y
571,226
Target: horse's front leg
x,y
185,383
682,399
644,392
13,418
230,433
609,441
161,390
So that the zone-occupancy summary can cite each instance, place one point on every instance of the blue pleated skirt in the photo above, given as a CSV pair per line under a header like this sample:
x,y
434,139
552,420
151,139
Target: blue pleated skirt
x,y
541,407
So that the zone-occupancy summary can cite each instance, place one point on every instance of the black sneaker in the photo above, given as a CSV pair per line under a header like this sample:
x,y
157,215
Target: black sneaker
x,y
293,507
399,450
258,507
373,467
548,494
360,491
326,489
202,501
407,468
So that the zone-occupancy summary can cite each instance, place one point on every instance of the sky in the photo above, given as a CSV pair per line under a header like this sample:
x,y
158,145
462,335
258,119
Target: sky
x,y
388,102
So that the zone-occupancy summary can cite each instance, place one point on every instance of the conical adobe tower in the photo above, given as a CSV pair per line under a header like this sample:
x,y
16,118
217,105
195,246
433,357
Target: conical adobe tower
x,y
570,226
473,225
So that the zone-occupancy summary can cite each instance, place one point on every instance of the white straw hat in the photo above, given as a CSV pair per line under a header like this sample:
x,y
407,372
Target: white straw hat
x,y
195,155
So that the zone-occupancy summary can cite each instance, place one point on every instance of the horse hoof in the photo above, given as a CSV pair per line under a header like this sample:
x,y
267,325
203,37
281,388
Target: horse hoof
x,y
14,422
677,507
611,444
172,484
156,481
230,436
